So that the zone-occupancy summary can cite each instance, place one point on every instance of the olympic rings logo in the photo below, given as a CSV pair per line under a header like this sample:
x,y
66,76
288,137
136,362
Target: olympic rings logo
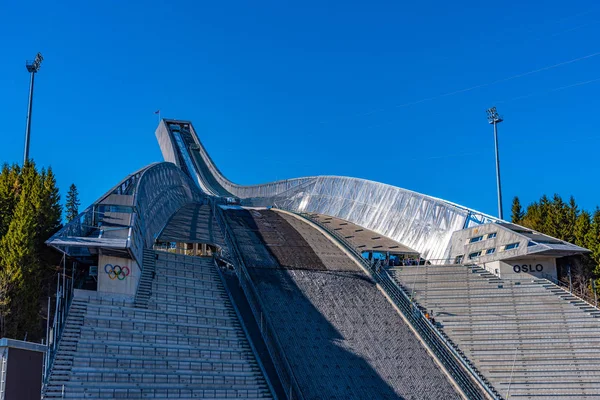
x,y
116,271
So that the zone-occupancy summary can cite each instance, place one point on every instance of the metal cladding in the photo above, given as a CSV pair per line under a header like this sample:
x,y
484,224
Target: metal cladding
x,y
161,191
421,222
155,193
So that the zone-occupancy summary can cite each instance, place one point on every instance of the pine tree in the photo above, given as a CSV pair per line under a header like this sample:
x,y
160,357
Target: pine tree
x,y
572,214
517,211
26,263
592,239
72,206
52,210
49,214
533,217
19,278
9,182
555,223
582,227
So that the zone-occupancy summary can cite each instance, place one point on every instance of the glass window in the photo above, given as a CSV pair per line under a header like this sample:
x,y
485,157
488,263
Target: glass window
x,y
476,239
459,259
511,246
491,235
474,255
490,251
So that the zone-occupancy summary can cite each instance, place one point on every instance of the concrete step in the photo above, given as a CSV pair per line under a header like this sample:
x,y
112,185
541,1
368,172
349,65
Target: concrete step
x,y
169,281
162,326
196,341
235,360
179,390
192,377
136,394
154,315
124,347
190,291
204,268
220,309
186,281
175,273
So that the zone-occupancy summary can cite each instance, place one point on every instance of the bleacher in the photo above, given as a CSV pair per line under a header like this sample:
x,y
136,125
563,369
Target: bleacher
x,y
341,336
530,338
180,338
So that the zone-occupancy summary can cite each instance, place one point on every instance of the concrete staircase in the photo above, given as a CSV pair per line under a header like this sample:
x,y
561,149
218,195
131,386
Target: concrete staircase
x,y
180,338
530,338
144,290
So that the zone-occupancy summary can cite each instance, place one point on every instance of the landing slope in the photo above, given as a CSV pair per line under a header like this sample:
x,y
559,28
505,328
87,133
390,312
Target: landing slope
x,y
343,339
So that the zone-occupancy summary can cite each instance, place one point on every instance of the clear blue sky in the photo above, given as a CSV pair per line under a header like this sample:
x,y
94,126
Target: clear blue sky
x,y
278,90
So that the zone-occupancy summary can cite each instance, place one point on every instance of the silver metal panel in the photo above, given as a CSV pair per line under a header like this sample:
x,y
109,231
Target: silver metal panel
x,y
421,222
158,191
166,143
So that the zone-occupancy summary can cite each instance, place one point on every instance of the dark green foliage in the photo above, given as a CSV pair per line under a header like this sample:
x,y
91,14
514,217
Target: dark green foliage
x,y
72,205
30,212
592,238
567,222
582,227
517,211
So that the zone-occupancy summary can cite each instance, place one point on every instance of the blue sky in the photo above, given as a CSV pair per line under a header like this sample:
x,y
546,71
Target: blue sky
x,y
280,89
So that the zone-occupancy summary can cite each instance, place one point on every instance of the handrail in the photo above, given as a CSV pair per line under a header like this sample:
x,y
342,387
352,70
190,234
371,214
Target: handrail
x,y
64,298
243,325
438,341
268,332
567,288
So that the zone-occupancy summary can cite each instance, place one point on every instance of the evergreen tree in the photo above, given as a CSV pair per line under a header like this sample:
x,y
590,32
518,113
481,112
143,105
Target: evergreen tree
x,y
533,217
72,205
30,213
9,182
19,278
582,227
517,211
572,214
49,214
51,208
555,223
592,239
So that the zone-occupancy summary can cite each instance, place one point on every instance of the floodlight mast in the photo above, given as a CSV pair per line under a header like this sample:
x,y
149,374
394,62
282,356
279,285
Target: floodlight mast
x,y
494,119
33,67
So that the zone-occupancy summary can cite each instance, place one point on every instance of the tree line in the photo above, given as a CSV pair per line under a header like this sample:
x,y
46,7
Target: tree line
x,y
565,220
30,213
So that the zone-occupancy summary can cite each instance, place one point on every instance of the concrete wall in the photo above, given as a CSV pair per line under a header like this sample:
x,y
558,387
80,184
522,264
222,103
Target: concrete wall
x,y
117,279
460,243
522,268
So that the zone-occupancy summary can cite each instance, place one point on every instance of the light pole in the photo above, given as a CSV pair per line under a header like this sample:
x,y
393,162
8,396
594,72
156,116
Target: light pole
x,y
33,67
494,119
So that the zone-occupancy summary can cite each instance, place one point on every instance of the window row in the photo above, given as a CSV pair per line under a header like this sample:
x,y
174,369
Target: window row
x,y
481,237
492,250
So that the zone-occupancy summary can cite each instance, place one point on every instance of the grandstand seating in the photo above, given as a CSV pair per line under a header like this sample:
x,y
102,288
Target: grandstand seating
x,y
180,339
530,338
340,334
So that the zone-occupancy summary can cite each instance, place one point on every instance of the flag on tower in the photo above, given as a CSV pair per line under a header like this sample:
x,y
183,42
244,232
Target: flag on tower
x,y
157,112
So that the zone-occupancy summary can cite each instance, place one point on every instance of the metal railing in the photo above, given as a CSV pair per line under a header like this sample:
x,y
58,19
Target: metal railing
x,y
64,298
282,365
568,288
453,359
243,325
3,358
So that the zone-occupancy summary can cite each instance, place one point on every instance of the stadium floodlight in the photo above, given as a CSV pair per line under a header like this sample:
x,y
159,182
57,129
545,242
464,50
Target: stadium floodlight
x,y
32,67
495,119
